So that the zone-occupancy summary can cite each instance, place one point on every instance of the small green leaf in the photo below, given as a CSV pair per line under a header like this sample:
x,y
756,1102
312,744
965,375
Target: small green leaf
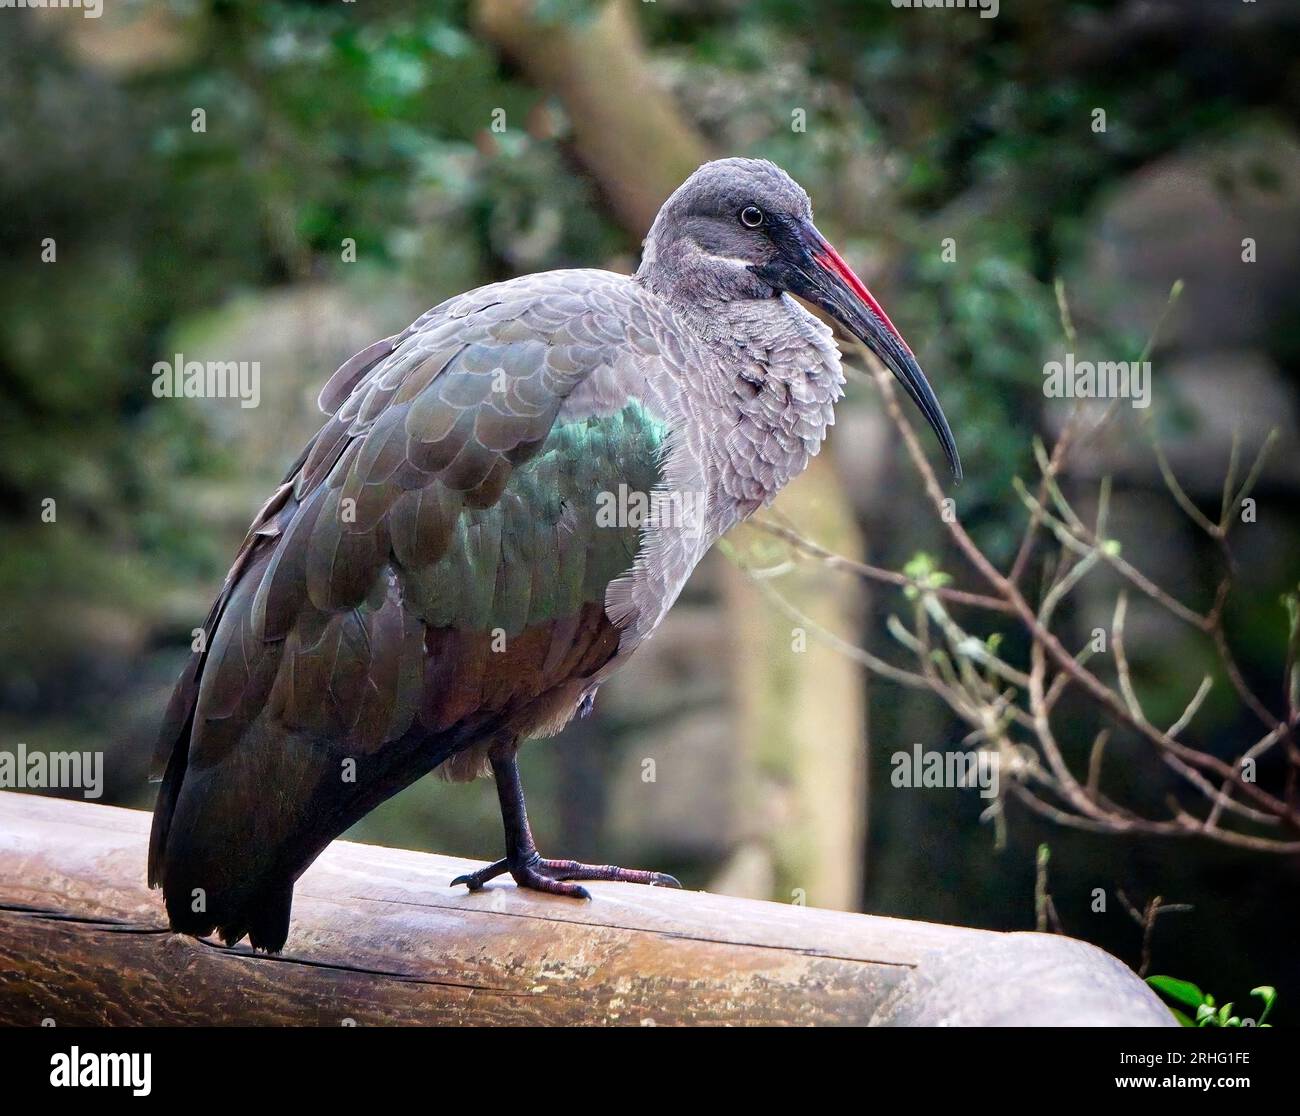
x,y
1183,1020
1184,991
1268,994
925,573
920,567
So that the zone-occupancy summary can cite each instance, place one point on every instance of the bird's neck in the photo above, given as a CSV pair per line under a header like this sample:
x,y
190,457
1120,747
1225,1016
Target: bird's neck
x,y
765,382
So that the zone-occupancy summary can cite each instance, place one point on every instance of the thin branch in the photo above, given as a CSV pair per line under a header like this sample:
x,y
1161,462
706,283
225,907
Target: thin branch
x,y
876,573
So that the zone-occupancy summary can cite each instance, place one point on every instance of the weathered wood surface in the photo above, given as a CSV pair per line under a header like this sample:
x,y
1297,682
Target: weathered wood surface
x,y
379,937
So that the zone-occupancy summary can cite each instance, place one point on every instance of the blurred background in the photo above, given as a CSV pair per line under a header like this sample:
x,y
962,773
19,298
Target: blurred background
x,y
353,164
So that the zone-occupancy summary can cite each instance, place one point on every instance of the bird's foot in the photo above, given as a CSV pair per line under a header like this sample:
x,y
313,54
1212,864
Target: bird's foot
x,y
555,876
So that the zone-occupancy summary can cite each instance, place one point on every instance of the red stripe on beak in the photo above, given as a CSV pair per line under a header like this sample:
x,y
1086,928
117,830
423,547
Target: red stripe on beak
x,y
833,262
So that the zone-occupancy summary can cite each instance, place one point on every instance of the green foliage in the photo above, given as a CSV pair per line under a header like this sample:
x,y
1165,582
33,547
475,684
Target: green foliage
x,y
1205,1012
925,574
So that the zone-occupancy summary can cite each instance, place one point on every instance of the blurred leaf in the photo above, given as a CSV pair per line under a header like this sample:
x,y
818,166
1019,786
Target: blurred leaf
x,y
1183,991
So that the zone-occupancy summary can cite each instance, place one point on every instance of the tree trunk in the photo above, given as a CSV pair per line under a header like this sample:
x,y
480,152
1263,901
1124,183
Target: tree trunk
x,y
802,715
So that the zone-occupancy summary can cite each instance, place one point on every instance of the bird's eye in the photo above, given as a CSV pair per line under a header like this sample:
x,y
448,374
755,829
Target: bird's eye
x,y
751,216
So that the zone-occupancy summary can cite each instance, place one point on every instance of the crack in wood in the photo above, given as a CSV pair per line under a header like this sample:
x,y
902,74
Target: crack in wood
x,y
99,922
677,935
245,954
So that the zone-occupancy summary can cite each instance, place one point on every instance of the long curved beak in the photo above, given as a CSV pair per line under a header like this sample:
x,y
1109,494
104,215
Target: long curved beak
x,y
811,268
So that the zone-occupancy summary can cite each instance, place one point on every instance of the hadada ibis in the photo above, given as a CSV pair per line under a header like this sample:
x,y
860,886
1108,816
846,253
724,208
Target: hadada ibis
x,y
439,577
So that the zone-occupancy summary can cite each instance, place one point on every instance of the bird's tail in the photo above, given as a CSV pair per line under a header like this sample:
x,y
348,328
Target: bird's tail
x,y
225,860
202,894
261,915
231,839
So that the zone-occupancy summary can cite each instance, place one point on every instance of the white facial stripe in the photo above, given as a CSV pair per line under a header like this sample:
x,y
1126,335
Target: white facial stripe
x,y
735,261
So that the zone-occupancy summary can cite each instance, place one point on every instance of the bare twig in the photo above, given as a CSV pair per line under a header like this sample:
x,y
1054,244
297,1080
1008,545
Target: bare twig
x,y
1146,919
1089,682
874,573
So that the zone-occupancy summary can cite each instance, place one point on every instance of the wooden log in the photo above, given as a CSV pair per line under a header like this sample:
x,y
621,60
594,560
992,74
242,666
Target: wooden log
x,y
378,937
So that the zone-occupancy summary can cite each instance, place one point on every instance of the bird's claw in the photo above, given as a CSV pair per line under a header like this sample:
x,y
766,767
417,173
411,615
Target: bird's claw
x,y
468,880
475,880
556,876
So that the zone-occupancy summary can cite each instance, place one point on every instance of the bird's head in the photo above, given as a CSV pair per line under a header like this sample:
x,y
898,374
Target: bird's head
x,y
743,229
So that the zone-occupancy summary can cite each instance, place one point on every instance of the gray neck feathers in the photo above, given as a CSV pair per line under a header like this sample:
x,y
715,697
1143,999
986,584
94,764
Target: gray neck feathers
x,y
760,378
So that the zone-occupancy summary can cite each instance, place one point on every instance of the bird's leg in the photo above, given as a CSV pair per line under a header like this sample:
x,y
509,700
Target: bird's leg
x,y
522,859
